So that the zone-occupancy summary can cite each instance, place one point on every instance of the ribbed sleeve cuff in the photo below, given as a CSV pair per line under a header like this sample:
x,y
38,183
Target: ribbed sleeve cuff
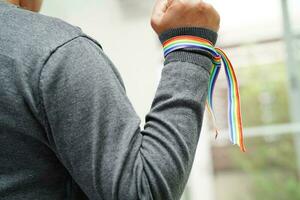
x,y
193,31
192,55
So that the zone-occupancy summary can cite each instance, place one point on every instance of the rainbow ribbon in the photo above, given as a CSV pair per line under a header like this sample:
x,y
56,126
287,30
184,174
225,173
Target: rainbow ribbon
x,y
218,56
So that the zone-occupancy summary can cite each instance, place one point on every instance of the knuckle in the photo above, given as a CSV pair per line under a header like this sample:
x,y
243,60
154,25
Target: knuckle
x,y
201,5
208,6
181,4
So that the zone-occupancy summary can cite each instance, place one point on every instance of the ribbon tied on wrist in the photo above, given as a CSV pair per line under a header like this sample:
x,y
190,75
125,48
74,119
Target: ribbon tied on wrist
x,y
218,57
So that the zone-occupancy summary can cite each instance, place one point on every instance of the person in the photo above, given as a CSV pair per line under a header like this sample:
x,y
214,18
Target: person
x,y
67,128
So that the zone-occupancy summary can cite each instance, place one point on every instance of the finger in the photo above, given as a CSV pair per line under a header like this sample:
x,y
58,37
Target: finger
x,y
198,1
160,7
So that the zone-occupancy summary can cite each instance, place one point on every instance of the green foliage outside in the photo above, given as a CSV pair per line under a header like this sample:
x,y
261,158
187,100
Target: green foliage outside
x,y
270,161
264,82
271,164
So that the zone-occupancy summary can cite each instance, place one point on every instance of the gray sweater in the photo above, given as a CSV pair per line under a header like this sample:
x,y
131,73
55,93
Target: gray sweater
x,y
67,128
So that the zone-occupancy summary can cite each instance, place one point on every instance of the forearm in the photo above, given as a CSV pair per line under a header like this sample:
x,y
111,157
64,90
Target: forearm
x,y
172,128
173,125
96,130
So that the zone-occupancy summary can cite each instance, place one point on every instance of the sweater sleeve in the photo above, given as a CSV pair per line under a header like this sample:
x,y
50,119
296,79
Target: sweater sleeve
x,y
95,132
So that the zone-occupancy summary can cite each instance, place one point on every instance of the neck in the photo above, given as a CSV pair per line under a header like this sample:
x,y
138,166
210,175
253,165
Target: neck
x,y
33,5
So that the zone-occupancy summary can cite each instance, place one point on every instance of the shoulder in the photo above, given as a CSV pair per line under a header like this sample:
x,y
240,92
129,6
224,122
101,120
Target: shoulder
x,y
24,31
83,58
35,27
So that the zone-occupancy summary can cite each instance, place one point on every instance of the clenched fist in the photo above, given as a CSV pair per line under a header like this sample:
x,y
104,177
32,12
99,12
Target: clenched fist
x,y
168,14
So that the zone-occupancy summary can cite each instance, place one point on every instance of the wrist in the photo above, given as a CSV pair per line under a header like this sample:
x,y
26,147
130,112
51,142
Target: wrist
x,y
204,33
189,44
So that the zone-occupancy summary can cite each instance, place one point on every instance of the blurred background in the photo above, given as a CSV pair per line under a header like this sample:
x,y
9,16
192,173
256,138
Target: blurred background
x,y
262,39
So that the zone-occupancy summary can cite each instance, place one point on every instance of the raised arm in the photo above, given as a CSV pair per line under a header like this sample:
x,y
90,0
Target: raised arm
x,y
96,133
